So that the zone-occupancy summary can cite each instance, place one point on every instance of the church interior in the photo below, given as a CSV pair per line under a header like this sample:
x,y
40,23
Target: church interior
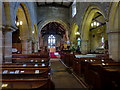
x,y
66,45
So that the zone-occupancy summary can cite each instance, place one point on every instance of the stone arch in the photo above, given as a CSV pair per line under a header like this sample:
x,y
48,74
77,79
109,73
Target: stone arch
x,y
89,14
73,37
22,13
26,11
42,24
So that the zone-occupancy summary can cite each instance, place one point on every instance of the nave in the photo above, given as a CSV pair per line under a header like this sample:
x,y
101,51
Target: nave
x,y
66,44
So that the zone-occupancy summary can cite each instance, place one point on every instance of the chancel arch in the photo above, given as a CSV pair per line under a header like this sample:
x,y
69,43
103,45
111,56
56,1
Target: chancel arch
x,y
58,30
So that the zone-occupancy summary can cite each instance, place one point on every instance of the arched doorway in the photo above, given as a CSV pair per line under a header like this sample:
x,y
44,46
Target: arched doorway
x,y
53,36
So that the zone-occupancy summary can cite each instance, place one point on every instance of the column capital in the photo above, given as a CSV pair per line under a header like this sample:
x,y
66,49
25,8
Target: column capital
x,y
7,28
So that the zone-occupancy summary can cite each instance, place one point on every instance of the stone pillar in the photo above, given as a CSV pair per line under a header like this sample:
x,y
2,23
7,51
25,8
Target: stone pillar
x,y
7,43
1,46
41,42
36,46
84,46
113,41
29,46
24,46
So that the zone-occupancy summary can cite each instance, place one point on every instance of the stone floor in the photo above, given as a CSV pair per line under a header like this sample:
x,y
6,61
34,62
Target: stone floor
x,y
61,77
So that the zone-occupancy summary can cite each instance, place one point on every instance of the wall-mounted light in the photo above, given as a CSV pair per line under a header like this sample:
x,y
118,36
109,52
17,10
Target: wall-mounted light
x,y
21,22
78,39
77,33
18,23
33,32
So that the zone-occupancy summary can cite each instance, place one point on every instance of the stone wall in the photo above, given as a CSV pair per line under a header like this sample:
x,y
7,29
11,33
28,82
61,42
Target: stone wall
x,y
52,13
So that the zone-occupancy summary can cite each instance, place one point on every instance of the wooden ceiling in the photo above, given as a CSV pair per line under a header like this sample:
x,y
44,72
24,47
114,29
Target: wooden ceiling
x,y
53,28
55,3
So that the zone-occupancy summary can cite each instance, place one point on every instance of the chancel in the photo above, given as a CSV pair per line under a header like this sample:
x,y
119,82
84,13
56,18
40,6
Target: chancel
x,y
66,44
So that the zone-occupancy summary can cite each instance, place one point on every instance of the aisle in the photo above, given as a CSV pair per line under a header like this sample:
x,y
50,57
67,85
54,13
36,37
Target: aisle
x,y
61,76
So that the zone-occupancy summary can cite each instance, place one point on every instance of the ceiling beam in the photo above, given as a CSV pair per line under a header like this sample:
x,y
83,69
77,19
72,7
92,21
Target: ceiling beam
x,y
97,16
52,4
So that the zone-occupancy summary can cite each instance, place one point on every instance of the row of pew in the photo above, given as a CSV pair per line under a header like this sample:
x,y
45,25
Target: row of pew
x,y
98,72
27,71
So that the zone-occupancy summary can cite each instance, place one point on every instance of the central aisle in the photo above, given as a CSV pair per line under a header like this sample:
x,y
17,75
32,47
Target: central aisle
x,y
62,77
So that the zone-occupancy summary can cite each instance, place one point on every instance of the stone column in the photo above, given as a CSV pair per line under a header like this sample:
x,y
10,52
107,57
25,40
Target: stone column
x,y
41,42
1,46
29,46
7,43
36,46
24,46
84,46
113,41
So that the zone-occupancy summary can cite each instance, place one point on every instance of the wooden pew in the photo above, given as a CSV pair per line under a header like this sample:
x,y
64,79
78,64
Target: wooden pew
x,y
79,64
16,84
30,60
25,73
25,65
103,75
30,56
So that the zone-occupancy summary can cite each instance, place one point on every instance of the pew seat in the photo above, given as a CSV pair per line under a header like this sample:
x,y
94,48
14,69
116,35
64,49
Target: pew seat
x,y
25,65
30,60
30,55
16,84
14,73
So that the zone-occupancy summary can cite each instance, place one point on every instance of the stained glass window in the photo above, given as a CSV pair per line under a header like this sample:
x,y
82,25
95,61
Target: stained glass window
x,y
51,41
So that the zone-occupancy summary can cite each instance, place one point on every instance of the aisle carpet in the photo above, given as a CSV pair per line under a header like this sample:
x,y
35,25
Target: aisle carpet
x,y
61,77
54,55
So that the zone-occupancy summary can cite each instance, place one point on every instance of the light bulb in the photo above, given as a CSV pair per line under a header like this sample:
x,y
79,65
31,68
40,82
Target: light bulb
x,y
17,24
92,24
98,24
95,23
21,22
33,32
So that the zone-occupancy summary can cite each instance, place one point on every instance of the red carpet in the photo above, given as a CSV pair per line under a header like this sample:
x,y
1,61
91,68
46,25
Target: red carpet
x,y
54,54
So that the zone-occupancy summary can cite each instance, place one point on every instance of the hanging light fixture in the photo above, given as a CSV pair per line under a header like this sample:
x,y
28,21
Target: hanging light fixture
x,y
95,23
92,24
98,23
